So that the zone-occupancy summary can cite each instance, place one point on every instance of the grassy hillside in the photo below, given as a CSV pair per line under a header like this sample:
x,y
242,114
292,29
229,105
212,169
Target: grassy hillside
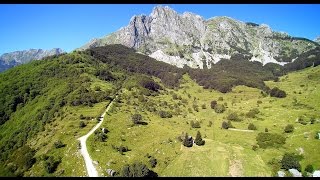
x,y
226,152
44,102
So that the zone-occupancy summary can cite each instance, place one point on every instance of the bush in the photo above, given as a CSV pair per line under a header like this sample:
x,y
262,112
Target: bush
x,y
82,117
59,144
82,124
210,124
309,168
203,106
220,98
255,147
266,130
195,124
121,149
51,164
219,108
252,113
213,104
165,114
199,140
137,169
233,117
289,128
153,162
265,140
230,125
252,127
99,136
290,161
312,120
276,92
224,125
136,118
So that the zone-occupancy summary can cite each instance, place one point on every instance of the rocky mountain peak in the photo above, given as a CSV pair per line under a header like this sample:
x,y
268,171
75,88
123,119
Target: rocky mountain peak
x,y
189,39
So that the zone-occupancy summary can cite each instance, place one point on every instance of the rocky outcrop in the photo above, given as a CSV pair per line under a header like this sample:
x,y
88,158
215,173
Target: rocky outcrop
x,y
189,39
8,60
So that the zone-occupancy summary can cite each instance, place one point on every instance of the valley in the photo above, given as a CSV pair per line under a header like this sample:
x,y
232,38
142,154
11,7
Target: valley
x,y
168,95
226,152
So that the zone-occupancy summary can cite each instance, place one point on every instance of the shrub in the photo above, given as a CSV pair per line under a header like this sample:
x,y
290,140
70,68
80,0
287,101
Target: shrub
x,y
203,106
121,149
175,96
82,117
99,136
195,107
312,120
199,140
210,124
51,164
220,98
254,147
137,169
195,124
165,114
59,144
219,108
252,127
233,117
82,124
136,118
266,130
230,125
252,113
276,92
153,162
213,104
290,161
289,128
309,168
265,140
224,125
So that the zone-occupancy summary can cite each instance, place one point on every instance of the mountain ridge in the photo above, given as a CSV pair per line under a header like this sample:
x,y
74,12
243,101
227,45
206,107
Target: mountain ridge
x,y
8,60
189,39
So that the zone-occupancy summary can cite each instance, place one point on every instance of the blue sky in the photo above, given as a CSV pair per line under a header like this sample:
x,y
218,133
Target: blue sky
x,y
70,26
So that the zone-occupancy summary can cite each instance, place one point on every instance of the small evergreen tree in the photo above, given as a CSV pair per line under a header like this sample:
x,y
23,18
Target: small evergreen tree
x,y
199,140
187,142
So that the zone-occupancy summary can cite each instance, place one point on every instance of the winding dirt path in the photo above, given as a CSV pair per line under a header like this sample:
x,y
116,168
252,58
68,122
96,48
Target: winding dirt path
x,y
243,130
91,170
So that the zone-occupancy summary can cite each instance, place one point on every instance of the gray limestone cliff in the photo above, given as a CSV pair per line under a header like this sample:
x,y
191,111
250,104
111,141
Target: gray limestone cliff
x,y
187,38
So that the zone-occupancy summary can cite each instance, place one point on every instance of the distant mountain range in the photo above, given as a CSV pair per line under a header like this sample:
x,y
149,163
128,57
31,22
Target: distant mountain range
x,y
8,60
189,39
